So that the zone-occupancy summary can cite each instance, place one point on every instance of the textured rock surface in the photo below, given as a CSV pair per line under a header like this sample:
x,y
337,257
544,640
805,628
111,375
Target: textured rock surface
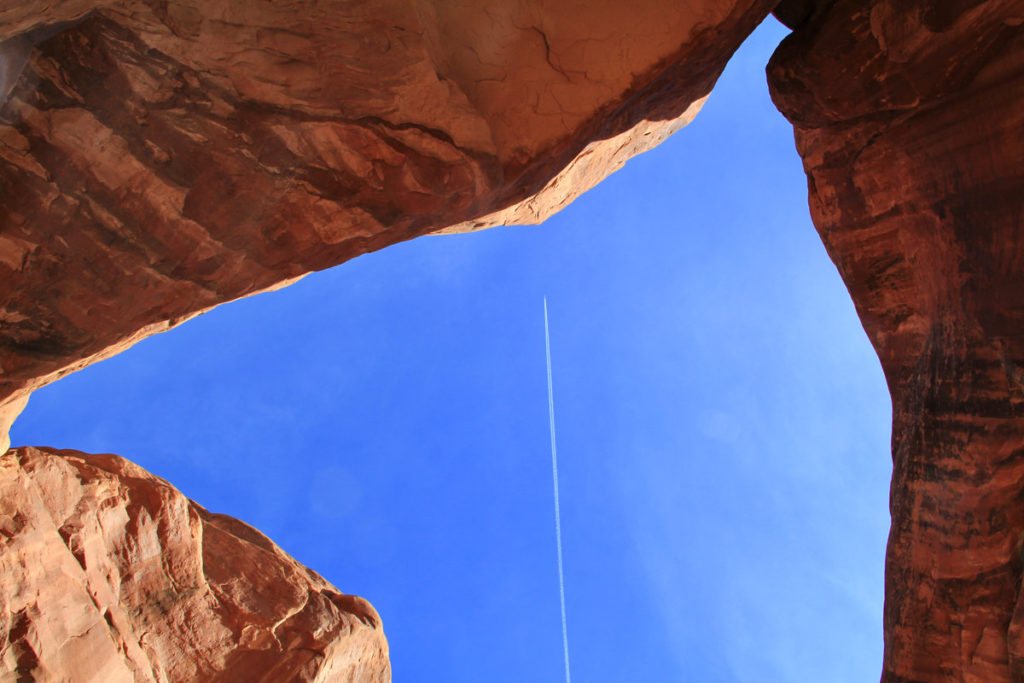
x,y
110,574
909,115
160,157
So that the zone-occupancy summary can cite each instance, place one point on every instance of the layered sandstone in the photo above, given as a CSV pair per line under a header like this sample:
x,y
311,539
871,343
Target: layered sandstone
x,y
909,115
160,157
111,574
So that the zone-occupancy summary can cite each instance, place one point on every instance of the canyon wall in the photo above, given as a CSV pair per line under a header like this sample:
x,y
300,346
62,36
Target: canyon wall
x,y
110,574
909,116
160,157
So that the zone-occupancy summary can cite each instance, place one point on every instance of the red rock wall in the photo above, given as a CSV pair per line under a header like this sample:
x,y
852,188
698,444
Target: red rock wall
x,y
909,115
107,573
160,157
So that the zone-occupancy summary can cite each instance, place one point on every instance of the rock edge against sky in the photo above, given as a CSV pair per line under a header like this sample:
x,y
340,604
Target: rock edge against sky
x,y
160,158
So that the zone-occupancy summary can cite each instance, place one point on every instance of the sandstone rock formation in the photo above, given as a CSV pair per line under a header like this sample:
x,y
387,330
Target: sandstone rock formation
x,y
110,574
159,157
909,115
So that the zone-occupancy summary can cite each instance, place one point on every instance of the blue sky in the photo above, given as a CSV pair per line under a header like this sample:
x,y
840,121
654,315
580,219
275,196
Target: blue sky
x,y
723,426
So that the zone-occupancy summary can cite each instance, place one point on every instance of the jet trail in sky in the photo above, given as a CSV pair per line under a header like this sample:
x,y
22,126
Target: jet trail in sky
x,y
554,474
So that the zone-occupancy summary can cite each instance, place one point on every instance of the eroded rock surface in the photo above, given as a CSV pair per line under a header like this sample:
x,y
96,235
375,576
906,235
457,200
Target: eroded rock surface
x,y
909,115
160,157
110,574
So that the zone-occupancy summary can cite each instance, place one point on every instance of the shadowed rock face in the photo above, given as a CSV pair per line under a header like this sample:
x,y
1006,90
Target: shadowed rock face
x,y
158,158
110,574
909,116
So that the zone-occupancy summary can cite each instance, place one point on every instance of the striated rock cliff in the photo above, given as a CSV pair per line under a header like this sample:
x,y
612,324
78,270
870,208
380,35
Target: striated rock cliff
x,y
110,574
160,157
909,115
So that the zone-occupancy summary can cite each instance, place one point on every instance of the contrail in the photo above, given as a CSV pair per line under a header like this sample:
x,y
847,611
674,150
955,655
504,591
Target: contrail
x,y
554,474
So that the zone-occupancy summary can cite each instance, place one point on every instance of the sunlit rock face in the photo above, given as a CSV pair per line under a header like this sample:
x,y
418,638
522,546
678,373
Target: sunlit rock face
x,y
160,157
909,115
110,574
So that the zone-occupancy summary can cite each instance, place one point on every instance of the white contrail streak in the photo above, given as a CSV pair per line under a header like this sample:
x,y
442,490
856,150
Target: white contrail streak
x,y
554,474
